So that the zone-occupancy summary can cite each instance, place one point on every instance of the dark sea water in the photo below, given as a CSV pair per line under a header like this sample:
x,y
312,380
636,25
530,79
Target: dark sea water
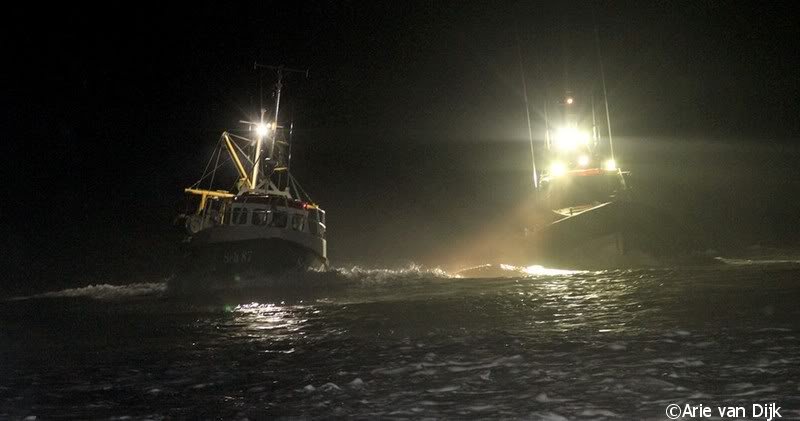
x,y
411,343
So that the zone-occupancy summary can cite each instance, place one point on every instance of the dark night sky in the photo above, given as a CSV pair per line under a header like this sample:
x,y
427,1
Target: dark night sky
x,y
411,126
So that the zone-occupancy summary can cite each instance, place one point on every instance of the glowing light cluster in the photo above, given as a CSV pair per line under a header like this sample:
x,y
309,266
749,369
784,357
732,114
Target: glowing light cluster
x,y
558,169
570,138
263,129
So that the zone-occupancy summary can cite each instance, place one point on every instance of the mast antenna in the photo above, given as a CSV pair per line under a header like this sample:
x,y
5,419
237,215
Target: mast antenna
x,y
603,80
546,125
527,113
274,132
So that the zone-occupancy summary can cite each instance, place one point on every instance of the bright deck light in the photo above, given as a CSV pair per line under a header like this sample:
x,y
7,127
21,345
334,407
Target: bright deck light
x,y
568,138
570,100
263,129
583,160
558,169
610,165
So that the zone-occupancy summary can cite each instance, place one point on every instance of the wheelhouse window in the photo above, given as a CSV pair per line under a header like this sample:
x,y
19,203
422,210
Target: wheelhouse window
x,y
313,222
259,217
279,220
239,216
297,222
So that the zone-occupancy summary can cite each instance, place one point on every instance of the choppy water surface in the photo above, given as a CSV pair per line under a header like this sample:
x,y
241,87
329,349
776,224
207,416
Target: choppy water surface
x,y
411,343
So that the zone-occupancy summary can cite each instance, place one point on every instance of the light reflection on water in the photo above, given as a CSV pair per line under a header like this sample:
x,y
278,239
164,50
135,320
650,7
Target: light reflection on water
x,y
270,316
276,326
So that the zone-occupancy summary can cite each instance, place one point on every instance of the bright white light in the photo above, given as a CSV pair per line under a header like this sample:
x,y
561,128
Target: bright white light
x,y
568,138
570,100
557,169
538,270
583,160
610,165
541,270
263,129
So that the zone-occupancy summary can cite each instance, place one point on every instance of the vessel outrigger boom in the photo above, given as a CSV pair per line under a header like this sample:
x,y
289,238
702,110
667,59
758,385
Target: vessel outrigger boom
x,y
235,157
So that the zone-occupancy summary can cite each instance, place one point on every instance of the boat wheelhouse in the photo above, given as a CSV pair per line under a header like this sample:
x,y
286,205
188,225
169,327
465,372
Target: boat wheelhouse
x,y
582,171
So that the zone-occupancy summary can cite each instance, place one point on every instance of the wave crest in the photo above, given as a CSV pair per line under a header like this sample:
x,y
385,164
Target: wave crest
x,y
106,291
412,272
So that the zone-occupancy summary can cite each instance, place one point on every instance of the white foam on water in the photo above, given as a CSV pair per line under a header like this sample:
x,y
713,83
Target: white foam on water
x,y
617,346
755,262
701,395
382,275
762,391
394,371
357,383
330,387
105,291
685,362
544,398
774,329
444,389
548,416
510,271
480,408
597,412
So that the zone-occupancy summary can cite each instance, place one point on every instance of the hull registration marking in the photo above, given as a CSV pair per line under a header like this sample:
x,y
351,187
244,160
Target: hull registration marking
x,y
242,256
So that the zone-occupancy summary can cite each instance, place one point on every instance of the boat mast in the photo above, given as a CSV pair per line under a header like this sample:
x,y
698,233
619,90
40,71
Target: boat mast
x,y
605,93
595,134
259,132
257,160
291,134
278,87
546,125
527,114
273,126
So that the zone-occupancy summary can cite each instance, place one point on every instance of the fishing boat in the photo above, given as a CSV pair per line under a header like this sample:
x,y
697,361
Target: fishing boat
x,y
586,214
265,223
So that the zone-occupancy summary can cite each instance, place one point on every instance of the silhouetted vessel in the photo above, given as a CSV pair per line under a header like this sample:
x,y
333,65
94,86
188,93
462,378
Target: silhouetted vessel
x,y
586,215
265,225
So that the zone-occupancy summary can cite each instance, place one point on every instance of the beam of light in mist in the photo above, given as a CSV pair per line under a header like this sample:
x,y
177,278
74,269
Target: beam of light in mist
x,y
500,239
